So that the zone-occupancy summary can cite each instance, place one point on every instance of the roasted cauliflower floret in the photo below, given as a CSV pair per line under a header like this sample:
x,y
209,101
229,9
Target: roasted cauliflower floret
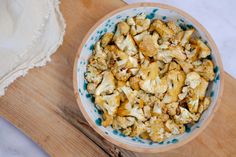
x,y
138,128
161,28
174,128
126,44
204,104
106,39
186,66
176,29
123,122
93,75
193,79
152,83
127,109
175,80
184,93
187,35
172,108
139,37
138,24
99,59
91,87
200,90
186,117
156,130
107,85
206,70
204,50
122,29
173,52
109,103
130,94
147,111
148,46
134,82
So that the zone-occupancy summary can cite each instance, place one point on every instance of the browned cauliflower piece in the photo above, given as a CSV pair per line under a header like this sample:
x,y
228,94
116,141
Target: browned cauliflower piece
x,y
173,52
93,75
175,81
173,128
148,45
122,122
186,66
200,90
91,88
184,93
134,82
152,83
206,70
138,24
107,85
204,50
156,130
147,111
99,57
139,37
187,35
161,28
193,79
127,109
176,29
109,103
106,39
122,29
186,117
172,108
126,44
138,128
204,104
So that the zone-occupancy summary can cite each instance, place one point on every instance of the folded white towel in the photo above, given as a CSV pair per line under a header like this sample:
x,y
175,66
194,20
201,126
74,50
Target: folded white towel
x,y
30,31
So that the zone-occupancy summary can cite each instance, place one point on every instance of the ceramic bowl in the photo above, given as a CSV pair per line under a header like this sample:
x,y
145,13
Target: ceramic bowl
x,y
86,101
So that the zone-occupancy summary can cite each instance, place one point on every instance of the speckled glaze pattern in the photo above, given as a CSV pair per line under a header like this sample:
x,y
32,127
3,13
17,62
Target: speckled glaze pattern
x,y
109,26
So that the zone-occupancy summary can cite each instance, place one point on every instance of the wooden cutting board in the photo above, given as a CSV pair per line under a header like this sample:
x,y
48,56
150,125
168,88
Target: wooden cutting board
x,y
43,106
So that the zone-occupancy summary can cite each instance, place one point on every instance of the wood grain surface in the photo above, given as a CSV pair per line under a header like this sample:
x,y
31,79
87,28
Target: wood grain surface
x,y
43,106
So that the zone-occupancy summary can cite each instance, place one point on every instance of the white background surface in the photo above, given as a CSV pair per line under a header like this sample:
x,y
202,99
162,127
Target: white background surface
x,y
217,16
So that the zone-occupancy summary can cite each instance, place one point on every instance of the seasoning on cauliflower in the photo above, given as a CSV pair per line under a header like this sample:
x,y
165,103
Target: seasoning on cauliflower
x,y
107,85
186,37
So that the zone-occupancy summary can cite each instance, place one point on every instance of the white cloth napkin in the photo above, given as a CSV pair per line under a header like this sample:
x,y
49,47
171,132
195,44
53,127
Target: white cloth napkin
x,y
30,31
218,17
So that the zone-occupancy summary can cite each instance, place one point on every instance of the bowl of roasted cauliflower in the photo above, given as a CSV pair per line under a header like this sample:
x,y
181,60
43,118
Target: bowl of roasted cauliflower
x,y
148,77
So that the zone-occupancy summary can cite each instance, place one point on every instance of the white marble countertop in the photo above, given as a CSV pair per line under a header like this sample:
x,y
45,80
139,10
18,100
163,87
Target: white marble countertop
x,y
217,16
